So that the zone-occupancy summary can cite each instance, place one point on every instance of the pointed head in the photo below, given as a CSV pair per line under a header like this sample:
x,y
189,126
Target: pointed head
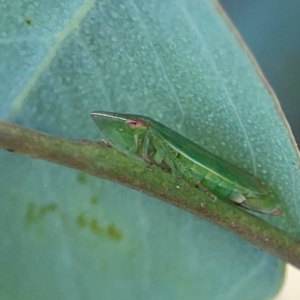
x,y
124,131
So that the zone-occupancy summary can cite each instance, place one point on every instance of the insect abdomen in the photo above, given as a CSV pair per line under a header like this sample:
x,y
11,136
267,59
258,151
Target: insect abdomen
x,y
219,186
200,175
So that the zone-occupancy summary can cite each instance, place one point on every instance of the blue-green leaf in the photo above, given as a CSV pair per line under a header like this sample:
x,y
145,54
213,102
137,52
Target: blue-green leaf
x,y
66,235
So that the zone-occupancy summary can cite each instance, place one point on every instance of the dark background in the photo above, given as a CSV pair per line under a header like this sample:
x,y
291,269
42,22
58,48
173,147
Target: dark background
x,y
271,29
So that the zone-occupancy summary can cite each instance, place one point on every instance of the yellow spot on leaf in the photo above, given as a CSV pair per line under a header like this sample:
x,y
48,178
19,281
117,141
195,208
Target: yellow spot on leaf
x,y
81,220
35,214
29,217
28,22
94,200
111,232
114,233
81,178
96,228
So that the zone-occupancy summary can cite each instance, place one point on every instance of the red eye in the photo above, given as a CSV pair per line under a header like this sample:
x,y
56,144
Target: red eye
x,y
136,123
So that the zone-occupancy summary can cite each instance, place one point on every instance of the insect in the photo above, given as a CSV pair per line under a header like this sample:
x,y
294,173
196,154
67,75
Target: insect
x,y
157,144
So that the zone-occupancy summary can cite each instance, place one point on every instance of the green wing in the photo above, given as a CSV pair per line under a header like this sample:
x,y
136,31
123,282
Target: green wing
x,y
206,159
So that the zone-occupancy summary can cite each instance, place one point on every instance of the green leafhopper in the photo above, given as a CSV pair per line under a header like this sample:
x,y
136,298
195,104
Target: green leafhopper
x,y
157,144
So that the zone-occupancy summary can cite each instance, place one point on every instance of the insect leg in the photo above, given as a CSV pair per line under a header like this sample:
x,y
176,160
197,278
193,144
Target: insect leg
x,y
145,149
163,156
159,154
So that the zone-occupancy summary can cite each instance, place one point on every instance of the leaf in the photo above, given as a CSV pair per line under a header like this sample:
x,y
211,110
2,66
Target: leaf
x,y
67,234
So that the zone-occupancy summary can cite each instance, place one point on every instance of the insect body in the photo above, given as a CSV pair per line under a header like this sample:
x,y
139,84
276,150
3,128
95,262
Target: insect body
x,y
155,143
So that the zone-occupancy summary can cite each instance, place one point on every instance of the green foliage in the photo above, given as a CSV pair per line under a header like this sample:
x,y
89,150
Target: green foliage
x,y
70,236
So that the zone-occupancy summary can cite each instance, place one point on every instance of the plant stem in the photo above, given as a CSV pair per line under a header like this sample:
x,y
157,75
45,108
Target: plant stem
x,y
97,159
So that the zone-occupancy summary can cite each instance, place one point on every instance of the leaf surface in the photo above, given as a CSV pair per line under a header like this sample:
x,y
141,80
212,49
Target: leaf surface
x,y
70,236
